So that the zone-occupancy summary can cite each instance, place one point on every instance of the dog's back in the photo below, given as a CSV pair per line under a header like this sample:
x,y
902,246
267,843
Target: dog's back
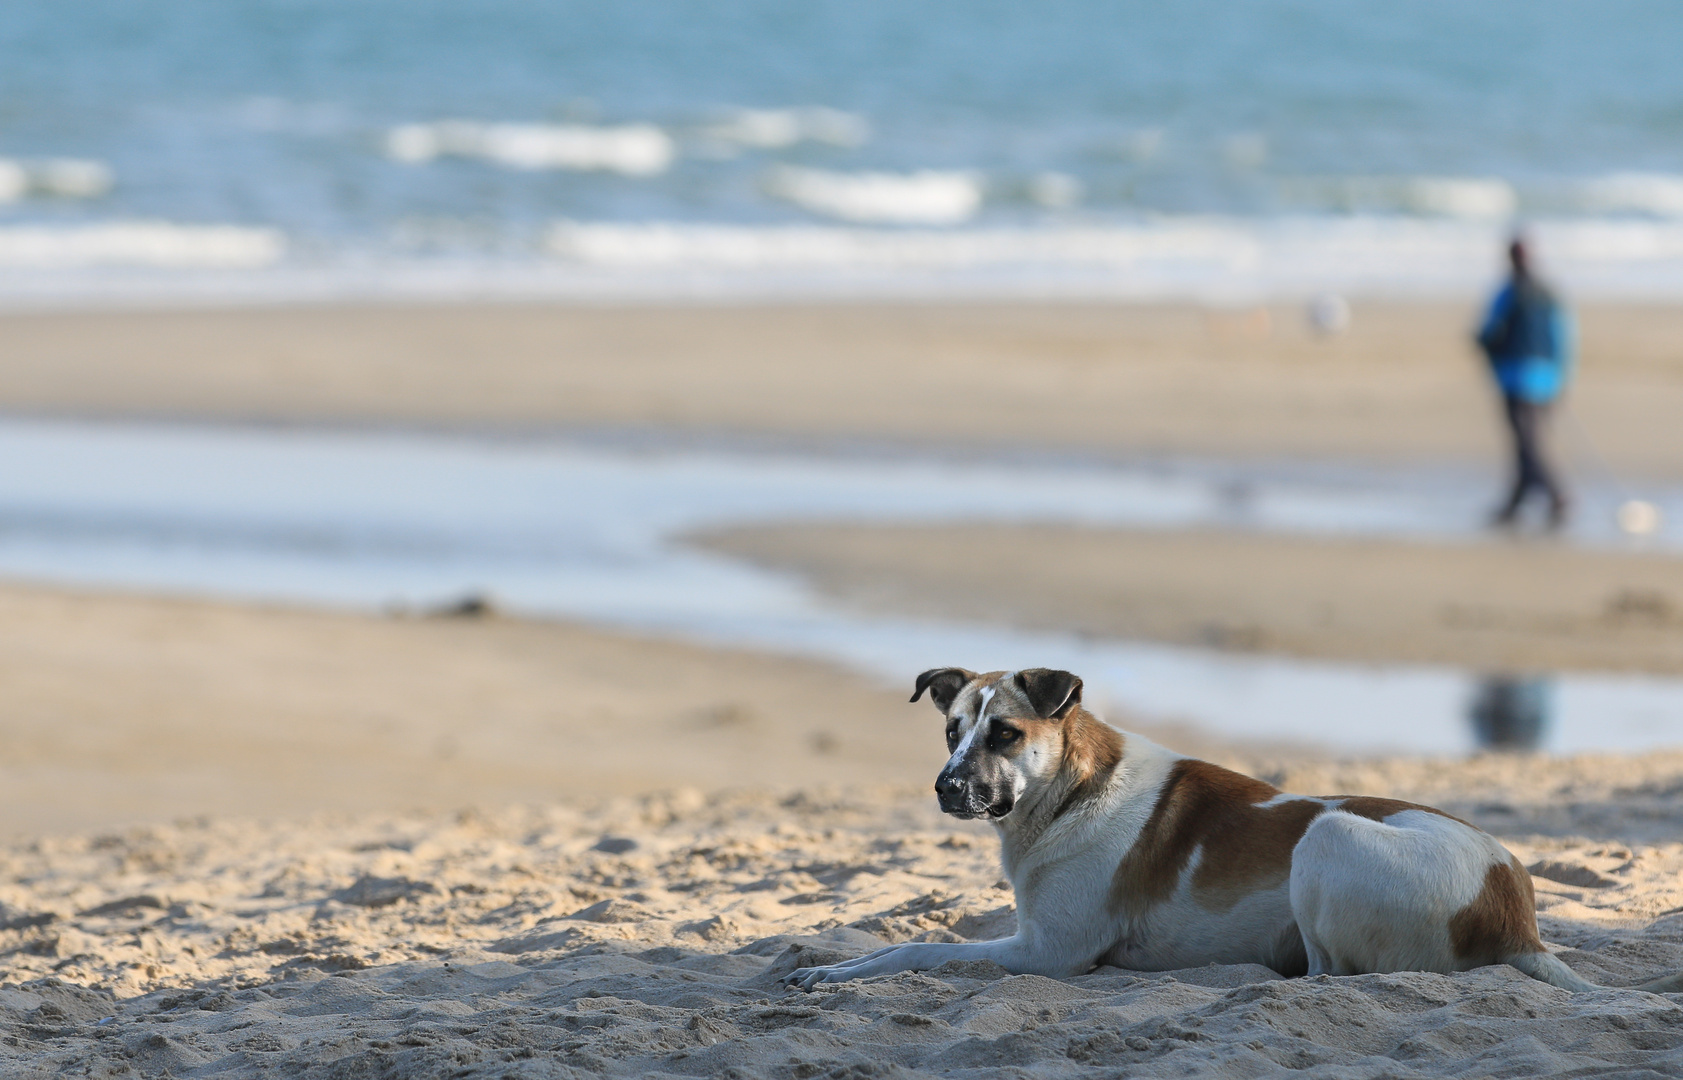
x,y
1228,869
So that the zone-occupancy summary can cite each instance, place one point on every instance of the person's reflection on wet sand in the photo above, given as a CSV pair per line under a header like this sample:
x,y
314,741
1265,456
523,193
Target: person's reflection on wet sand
x,y
1511,712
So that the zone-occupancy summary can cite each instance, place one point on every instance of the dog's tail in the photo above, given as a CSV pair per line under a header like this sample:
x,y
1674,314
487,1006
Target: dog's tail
x,y
1546,967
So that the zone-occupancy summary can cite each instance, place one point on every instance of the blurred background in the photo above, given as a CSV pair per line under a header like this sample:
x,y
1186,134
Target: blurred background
x,y
380,147
423,403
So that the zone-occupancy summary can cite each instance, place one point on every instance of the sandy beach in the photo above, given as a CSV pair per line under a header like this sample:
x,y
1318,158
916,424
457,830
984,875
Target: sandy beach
x,y
644,937
479,486
1495,604
1403,385
244,840
128,709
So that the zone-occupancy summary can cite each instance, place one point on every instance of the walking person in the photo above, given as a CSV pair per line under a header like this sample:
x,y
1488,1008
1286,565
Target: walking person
x,y
1527,337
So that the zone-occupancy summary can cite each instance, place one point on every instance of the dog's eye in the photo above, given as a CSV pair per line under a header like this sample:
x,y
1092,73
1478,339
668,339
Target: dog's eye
x,y
1002,736
952,738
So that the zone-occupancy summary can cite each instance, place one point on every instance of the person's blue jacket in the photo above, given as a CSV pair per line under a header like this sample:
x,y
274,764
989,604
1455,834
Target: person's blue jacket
x,y
1530,340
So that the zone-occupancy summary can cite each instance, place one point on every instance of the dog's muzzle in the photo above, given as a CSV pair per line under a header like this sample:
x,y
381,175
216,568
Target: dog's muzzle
x,y
967,799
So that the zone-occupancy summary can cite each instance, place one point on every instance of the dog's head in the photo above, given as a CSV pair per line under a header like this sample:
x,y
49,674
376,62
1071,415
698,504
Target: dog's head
x,y
1005,732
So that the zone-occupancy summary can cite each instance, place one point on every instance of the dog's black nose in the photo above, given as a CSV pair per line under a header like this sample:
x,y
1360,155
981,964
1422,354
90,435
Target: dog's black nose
x,y
952,792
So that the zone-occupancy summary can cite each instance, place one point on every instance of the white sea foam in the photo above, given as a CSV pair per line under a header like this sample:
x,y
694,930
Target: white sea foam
x,y
1473,198
63,178
155,244
1659,194
1464,197
1055,190
71,178
630,149
1209,242
1213,260
1188,256
1637,245
926,197
772,129
14,181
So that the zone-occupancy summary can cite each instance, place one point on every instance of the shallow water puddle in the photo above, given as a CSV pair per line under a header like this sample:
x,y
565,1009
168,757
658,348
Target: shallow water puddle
x,y
376,521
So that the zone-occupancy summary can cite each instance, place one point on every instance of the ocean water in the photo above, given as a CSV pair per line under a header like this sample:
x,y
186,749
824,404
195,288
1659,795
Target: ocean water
x,y
330,147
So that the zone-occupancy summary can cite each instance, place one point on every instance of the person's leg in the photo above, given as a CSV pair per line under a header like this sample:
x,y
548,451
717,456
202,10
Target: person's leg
x,y
1543,473
1514,410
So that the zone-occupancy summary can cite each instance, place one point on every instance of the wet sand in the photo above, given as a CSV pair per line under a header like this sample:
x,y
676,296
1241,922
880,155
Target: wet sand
x,y
1504,605
1109,380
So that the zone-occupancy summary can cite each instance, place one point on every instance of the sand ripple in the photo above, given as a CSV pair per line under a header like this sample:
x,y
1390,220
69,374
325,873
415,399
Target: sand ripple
x,y
645,937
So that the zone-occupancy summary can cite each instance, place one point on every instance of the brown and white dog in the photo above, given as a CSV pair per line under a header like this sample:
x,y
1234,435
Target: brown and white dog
x,y
1121,852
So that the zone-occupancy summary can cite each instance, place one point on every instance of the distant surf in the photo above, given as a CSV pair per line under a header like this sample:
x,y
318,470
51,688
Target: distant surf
x,y
1207,260
311,148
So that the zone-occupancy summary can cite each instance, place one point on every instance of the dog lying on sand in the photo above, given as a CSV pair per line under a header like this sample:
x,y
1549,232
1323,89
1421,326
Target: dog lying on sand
x,y
1123,853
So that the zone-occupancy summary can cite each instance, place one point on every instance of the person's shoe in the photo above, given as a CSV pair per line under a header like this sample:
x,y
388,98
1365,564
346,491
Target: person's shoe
x,y
1560,512
1505,518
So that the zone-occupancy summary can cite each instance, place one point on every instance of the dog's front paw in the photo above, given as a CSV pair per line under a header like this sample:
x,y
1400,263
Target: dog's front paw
x,y
807,978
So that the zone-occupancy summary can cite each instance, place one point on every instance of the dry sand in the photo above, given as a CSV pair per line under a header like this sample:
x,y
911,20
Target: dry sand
x,y
128,709
1118,379
644,937
1497,605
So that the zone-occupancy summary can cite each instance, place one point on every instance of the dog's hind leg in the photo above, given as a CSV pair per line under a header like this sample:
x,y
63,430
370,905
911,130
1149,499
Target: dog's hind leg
x,y
1319,962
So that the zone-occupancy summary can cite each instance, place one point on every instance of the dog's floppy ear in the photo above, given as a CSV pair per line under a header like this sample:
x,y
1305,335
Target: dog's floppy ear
x,y
943,684
1052,693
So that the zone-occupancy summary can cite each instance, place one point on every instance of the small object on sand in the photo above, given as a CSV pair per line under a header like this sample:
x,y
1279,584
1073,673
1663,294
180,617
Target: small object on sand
x,y
1639,517
472,606
1329,314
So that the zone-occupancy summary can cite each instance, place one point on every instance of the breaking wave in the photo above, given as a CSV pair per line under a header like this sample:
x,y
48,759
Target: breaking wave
x,y
1658,194
771,129
1478,198
927,197
1214,259
1189,256
628,149
61,178
155,244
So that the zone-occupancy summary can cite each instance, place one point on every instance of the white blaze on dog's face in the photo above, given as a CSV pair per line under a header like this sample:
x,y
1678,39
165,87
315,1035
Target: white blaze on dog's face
x,y
1004,735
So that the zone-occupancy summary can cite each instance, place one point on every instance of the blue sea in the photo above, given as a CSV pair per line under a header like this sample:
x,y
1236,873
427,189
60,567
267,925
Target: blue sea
x,y
274,148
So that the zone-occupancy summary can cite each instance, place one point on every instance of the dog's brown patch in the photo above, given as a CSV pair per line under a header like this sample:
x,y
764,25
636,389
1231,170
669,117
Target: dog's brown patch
x,y
1253,853
1500,922
1377,809
1092,750
1245,847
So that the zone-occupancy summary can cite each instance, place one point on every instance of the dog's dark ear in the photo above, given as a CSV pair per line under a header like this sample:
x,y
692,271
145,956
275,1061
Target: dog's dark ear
x,y
1052,693
943,684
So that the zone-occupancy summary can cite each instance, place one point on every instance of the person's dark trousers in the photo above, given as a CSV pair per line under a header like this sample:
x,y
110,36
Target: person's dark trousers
x,y
1526,420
